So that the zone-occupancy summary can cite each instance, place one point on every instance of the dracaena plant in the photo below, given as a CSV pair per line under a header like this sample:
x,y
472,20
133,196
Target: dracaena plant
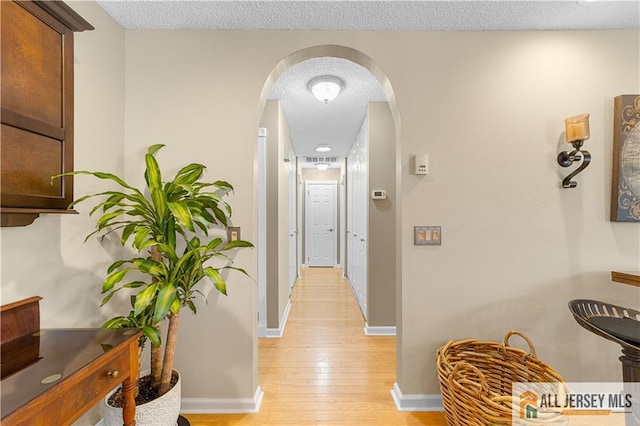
x,y
168,225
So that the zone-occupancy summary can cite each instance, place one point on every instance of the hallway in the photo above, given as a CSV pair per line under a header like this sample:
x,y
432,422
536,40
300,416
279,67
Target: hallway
x,y
324,370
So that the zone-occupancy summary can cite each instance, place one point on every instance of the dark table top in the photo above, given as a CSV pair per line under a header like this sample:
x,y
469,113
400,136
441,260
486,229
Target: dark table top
x,y
34,363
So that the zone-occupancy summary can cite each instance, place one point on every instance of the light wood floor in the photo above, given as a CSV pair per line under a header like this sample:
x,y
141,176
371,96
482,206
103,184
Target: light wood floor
x,y
324,370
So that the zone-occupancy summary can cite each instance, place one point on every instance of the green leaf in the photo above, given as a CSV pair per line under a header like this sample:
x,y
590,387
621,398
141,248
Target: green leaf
x,y
150,267
214,243
192,306
104,220
108,297
165,300
216,279
152,334
220,216
236,269
176,306
117,322
189,174
141,235
235,244
155,148
115,265
114,279
145,298
159,199
154,179
170,236
135,284
225,186
182,215
126,232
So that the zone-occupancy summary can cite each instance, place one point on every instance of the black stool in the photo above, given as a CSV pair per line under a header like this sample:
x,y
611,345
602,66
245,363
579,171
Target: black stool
x,y
620,325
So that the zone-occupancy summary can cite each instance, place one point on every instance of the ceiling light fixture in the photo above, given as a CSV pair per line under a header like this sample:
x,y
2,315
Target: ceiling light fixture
x,y
325,87
322,166
323,148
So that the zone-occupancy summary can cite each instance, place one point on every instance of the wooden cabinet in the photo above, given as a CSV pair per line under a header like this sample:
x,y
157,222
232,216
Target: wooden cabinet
x,y
36,97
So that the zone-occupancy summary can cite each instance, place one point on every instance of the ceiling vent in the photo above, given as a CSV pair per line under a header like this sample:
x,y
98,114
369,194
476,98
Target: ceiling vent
x,y
320,159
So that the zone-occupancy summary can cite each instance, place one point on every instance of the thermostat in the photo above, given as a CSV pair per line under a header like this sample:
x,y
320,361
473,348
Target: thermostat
x,y
378,194
421,166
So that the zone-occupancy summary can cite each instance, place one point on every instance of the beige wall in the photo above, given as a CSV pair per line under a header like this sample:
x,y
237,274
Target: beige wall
x,y
381,238
277,212
487,107
270,121
284,145
49,258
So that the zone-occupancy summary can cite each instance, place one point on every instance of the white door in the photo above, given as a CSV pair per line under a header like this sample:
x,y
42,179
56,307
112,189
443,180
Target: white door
x,y
320,218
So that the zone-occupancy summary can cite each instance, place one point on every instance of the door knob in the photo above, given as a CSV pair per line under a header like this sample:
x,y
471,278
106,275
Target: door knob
x,y
331,230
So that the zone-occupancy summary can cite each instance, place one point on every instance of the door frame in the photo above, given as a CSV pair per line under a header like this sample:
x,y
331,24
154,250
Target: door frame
x,y
336,232
262,231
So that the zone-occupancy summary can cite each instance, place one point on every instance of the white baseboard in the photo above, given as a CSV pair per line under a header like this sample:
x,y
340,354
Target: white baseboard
x,y
262,329
416,402
278,332
218,405
376,330
222,405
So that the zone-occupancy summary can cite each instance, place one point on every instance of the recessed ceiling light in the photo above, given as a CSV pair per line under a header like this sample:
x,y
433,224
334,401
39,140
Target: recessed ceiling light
x,y
322,166
323,148
325,87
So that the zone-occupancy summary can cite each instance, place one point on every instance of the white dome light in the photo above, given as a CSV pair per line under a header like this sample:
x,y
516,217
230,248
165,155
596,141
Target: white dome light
x,y
323,148
326,87
322,166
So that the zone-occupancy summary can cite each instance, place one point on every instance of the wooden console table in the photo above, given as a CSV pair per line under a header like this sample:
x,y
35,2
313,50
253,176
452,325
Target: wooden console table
x,y
631,278
53,376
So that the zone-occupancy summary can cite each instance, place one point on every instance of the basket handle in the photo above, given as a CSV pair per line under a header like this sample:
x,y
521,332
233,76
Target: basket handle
x,y
459,372
532,350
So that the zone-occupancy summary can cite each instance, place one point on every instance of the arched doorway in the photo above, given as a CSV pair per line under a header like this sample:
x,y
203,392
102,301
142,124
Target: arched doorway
x,y
368,63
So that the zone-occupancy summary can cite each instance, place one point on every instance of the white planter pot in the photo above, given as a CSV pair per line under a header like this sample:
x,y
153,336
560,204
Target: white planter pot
x,y
163,411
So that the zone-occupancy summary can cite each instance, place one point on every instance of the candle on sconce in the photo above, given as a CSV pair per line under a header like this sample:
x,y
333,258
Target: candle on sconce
x,y
577,128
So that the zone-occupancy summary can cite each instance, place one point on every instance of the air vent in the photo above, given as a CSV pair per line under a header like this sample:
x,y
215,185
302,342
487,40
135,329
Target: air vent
x,y
320,159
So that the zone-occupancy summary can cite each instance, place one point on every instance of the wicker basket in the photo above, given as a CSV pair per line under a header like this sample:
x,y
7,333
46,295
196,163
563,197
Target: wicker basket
x,y
476,379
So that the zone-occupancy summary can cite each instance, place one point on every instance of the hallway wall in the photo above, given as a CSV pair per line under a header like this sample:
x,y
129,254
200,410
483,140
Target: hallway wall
x,y
382,217
277,213
488,108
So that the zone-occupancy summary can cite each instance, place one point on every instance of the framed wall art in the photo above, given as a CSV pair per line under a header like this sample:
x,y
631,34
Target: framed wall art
x,y
625,185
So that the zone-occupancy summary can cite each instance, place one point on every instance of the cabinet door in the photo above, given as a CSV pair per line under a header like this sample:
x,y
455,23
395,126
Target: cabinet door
x,y
37,107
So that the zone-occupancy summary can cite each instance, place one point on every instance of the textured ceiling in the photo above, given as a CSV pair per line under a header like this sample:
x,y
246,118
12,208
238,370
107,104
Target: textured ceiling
x,y
336,124
375,15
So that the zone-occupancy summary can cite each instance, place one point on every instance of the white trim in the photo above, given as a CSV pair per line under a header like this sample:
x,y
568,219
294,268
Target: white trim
x,y
278,332
416,402
379,330
222,405
262,231
262,328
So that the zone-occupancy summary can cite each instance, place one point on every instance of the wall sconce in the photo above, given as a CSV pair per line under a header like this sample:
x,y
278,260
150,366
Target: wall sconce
x,y
577,131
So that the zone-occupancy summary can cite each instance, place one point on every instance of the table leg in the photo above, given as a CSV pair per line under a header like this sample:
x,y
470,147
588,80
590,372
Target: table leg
x,y
129,407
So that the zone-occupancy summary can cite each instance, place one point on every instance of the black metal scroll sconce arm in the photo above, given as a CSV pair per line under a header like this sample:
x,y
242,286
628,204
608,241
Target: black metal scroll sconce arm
x,y
565,159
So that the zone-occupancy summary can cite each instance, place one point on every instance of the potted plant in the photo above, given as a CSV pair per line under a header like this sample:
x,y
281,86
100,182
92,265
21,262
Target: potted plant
x,y
168,225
